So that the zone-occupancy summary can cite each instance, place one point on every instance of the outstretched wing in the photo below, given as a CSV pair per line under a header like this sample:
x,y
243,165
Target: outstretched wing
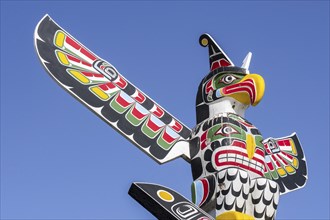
x,y
285,162
100,87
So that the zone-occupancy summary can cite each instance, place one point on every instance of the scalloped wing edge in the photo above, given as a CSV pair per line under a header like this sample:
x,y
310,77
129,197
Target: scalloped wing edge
x,y
179,149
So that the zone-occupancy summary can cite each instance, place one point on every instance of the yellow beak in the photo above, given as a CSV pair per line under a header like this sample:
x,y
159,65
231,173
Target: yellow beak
x,y
248,91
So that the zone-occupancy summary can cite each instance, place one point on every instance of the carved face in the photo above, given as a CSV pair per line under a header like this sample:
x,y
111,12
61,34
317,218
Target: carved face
x,y
245,88
226,141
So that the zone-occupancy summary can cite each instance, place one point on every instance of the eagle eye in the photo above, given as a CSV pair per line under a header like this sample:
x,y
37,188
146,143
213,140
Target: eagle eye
x,y
228,79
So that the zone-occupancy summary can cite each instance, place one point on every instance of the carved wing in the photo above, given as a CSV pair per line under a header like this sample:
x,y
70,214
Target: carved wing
x,y
100,87
285,162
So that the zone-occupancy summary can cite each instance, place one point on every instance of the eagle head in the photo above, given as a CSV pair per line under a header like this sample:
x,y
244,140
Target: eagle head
x,y
226,88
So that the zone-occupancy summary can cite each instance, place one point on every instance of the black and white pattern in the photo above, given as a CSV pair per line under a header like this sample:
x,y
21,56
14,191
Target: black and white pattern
x,y
237,192
264,196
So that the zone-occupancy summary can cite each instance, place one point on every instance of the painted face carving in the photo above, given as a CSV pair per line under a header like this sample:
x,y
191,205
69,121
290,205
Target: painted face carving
x,y
230,141
245,88
212,86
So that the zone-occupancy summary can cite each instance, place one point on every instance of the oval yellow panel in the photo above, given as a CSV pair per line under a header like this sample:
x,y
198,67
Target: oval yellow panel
x,y
59,39
166,196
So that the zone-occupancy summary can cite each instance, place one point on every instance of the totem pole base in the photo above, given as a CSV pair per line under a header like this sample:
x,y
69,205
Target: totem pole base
x,y
233,215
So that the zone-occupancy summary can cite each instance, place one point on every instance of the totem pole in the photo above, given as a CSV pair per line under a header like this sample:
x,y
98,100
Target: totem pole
x,y
237,174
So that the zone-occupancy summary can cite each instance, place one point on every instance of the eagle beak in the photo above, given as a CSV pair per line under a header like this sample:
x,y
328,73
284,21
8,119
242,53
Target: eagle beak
x,y
248,91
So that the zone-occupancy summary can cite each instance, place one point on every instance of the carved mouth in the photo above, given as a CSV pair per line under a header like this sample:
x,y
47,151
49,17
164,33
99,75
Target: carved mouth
x,y
236,155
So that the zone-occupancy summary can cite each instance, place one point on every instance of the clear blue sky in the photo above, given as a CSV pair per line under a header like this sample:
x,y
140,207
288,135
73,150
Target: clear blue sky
x,y
60,161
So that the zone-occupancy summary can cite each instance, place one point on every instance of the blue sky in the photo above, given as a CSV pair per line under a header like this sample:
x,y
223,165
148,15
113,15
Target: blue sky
x,y
60,161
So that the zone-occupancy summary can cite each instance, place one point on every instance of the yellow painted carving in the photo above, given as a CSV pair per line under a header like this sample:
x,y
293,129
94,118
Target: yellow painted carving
x,y
294,150
166,196
99,92
233,215
289,169
59,41
205,42
250,145
61,56
281,171
260,87
295,162
242,97
79,76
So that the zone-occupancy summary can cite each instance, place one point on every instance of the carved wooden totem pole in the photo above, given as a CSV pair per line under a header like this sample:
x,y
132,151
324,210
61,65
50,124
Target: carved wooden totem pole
x,y
237,173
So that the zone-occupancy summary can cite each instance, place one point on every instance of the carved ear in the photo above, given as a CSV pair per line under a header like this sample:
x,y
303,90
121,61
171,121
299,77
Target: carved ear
x,y
218,58
246,62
